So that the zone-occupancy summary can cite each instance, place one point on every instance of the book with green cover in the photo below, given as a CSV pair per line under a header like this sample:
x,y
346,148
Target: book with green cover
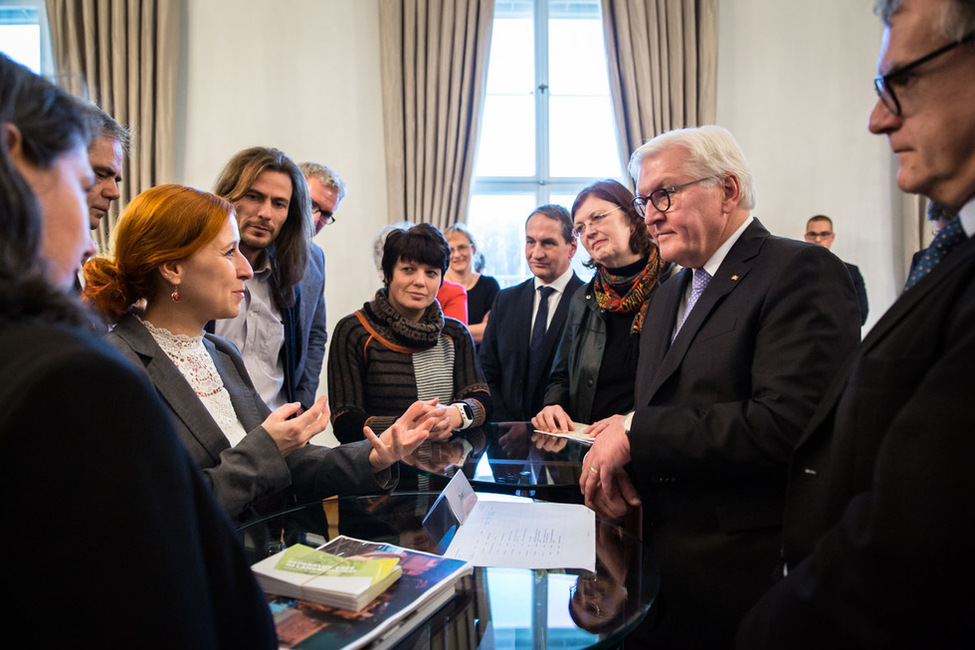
x,y
303,572
427,584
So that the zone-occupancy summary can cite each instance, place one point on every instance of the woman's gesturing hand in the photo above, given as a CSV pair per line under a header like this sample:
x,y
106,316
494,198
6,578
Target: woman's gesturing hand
x,y
295,433
406,434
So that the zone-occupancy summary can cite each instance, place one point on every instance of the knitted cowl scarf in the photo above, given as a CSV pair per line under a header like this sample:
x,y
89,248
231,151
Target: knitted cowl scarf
x,y
630,294
392,326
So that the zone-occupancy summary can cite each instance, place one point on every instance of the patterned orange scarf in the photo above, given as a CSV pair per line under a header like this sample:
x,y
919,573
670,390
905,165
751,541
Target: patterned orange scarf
x,y
629,295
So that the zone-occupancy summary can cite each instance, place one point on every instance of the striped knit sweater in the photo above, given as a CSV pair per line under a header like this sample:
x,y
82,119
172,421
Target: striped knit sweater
x,y
375,372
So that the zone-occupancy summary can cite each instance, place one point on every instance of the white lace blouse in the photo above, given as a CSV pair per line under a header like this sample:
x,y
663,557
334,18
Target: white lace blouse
x,y
192,359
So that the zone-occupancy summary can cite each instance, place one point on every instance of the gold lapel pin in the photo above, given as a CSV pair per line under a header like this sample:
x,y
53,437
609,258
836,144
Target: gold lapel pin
x,y
734,278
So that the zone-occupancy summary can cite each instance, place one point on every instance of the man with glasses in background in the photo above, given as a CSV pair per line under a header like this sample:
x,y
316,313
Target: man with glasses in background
x,y
736,352
326,190
819,230
881,510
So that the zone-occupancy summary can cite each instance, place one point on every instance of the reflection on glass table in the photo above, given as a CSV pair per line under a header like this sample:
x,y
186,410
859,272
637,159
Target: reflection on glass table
x,y
508,457
495,607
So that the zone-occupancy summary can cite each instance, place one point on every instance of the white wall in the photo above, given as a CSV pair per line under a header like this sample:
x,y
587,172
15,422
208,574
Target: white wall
x,y
303,75
795,87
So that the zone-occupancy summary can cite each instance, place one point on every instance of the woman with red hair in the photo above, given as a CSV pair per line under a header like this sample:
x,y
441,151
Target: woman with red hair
x,y
176,253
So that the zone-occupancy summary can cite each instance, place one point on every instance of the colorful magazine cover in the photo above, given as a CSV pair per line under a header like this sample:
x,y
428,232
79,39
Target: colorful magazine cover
x,y
425,580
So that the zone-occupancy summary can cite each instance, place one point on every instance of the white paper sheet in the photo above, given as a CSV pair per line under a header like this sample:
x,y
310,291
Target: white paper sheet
x,y
524,535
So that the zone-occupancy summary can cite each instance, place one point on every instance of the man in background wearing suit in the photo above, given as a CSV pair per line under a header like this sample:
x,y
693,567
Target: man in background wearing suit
x,y
516,363
736,352
109,145
819,230
274,333
326,190
880,515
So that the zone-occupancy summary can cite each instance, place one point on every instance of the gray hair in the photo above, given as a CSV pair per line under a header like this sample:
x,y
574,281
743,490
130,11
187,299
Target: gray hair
x,y
711,151
104,125
328,176
956,21
379,243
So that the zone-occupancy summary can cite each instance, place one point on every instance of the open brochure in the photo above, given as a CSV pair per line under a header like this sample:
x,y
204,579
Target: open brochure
x,y
427,583
575,434
303,572
491,530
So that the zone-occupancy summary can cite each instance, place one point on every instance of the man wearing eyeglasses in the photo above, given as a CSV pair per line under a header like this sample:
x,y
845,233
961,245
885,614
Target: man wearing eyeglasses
x,y
881,510
326,189
736,352
819,230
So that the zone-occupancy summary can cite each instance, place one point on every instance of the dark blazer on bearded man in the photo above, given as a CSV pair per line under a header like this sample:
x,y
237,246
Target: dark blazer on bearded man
x,y
307,343
880,513
503,352
254,469
717,415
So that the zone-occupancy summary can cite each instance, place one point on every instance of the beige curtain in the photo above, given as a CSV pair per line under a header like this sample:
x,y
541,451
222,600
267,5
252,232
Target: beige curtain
x,y
434,61
663,60
122,54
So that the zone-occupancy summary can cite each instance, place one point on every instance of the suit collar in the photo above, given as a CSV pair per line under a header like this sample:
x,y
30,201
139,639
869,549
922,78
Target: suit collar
x,y
735,266
173,387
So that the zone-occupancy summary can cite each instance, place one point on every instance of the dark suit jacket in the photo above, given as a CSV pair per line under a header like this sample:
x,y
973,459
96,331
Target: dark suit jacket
x,y
881,506
311,329
254,469
718,414
107,514
861,288
504,350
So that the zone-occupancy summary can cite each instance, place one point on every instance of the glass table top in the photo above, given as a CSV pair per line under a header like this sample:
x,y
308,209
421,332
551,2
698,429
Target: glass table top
x,y
495,607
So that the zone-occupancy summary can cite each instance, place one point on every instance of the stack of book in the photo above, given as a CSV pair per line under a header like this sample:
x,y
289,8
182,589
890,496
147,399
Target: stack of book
x,y
303,572
419,585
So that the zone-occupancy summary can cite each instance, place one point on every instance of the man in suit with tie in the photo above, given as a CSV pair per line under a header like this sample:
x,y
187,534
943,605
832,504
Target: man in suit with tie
x,y
527,320
880,514
736,351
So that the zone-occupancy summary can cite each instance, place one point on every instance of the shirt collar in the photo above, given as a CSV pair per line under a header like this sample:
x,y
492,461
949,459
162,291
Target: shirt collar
x,y
714,262
558,283
967,216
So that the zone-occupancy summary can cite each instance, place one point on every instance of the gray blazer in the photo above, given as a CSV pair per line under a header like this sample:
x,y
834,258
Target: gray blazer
x,y
254,469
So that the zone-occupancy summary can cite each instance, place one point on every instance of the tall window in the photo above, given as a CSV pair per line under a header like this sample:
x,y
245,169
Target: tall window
x,y
548,128
24,35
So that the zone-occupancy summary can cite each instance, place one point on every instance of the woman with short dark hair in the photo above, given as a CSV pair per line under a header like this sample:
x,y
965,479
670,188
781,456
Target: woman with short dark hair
x,y
399,347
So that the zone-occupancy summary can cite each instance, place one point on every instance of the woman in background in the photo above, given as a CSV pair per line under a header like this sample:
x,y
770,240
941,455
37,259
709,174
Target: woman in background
x,y
176,248
399,348
481,289
595,366
112,535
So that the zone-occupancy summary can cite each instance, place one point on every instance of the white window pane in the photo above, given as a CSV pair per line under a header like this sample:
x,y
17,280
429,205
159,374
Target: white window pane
x,y
511,64
583,137
498,223
577,57
507,140
22,43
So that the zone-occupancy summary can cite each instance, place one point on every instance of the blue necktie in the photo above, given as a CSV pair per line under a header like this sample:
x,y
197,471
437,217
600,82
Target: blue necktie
x,y
950,235
698,285
538,333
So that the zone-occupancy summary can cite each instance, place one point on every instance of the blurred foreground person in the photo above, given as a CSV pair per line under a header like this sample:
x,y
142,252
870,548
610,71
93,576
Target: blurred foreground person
x,y
112,535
